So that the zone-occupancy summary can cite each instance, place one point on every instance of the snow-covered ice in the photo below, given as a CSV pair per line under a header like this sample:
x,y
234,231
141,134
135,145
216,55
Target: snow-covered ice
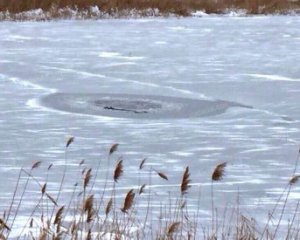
x,y
247,60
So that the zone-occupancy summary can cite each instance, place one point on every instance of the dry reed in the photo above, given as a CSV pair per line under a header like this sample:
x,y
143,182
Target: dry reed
x,y
58,215
87,178
179,7
118,170
185,181
142,189
43,190
294,179
162,175
108,206
88,203
219,171
141,166
89,208
173,228
128,202
88,222
70,141
113,148
36,165
217,175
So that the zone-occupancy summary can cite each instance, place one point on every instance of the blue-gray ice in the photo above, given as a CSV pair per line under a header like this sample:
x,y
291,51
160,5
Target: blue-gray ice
x,y
136,106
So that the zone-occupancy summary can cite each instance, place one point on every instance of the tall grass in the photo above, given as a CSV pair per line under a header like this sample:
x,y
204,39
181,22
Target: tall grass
x,y
88,214
179,7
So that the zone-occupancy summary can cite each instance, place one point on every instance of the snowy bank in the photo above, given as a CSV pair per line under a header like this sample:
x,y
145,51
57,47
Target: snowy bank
x,y
94,12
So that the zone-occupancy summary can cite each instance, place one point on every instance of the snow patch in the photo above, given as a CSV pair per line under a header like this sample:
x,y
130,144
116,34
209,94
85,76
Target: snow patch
x,y
117,55
268,77
236,12
94,12
199,14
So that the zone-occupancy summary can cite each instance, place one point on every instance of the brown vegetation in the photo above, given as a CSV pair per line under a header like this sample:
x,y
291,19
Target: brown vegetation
x,y
86,216
178,7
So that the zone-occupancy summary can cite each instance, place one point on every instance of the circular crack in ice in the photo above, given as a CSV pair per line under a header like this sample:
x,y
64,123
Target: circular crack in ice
x,y
136,106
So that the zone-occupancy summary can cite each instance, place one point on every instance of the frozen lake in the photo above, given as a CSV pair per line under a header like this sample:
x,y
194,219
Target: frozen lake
x,y
252,61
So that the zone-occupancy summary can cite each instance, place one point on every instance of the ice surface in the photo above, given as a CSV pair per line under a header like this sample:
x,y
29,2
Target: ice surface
x,y
249,60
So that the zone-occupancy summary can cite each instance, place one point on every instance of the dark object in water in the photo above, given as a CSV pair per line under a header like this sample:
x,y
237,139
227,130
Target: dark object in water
x,y
125,110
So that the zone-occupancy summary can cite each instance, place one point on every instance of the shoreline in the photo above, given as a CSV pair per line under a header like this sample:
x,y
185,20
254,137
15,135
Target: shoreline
x,y
94,13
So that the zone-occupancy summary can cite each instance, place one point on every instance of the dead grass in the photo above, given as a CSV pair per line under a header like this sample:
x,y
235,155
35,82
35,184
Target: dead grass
x,y
178,7
89,214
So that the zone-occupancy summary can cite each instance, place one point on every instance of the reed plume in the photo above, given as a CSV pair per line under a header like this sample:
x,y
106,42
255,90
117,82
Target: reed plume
x,y
142,189
172,228
81,162
162,175
108,206
31,223
88,203
43,190
294,179
88,208
36,165
50,166
185,181
128,202
87,178
142,163
70,141
113,148
118,170
58,215
217,175
219,171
